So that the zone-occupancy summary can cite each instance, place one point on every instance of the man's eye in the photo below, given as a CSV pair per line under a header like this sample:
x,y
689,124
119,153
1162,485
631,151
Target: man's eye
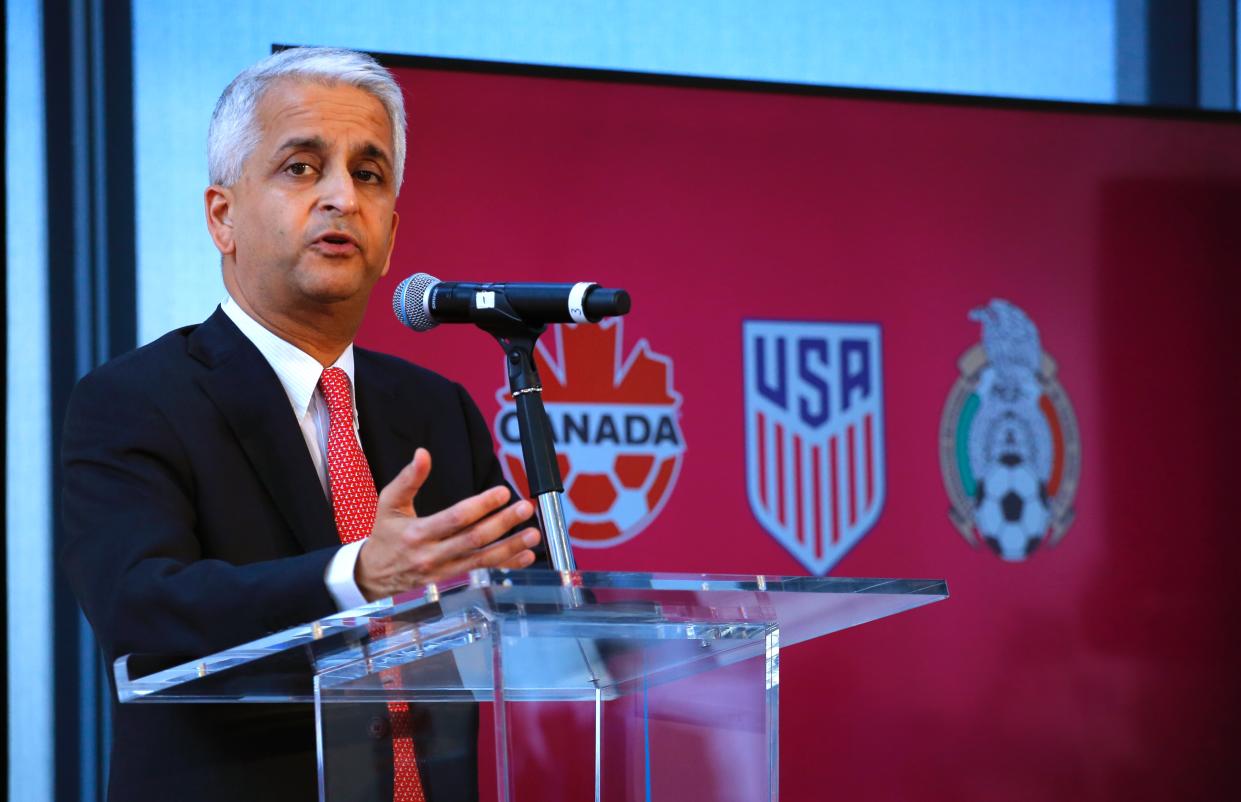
x,y
298,168
368,176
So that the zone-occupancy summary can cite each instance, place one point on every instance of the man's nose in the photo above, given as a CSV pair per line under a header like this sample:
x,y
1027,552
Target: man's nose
x,y
339,193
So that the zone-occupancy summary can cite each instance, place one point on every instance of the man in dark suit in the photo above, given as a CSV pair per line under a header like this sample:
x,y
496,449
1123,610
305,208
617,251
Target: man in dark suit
x,y
220,483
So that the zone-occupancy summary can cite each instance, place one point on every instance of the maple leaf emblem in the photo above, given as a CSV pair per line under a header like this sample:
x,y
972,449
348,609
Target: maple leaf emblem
x,y
615,418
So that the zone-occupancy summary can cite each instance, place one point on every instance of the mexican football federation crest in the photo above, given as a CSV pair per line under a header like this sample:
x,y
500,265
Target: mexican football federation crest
x,y
814,434
1009,449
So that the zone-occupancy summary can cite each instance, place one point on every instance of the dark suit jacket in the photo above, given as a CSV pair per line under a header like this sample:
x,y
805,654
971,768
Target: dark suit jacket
x,y
196,521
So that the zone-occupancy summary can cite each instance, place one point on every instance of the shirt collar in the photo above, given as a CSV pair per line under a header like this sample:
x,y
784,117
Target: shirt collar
x,y
297,370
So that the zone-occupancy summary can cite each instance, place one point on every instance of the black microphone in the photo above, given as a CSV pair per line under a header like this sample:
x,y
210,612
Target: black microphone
x,y
422,302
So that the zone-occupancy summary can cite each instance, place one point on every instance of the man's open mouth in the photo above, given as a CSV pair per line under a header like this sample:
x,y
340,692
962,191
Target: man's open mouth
x,y
336,242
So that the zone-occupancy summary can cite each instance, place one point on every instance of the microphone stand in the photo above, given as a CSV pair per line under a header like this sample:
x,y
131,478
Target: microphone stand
x,y
518,338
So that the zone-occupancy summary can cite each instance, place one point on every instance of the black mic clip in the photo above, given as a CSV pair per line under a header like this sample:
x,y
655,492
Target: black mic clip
x,y
519,339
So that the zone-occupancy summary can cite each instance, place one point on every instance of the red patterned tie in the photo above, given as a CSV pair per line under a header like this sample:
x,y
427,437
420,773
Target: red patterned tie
x,y
353,503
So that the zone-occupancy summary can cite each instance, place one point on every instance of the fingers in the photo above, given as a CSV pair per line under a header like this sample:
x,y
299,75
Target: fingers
x,y
450,522
512,552
399,494
450,542
523,559
478,535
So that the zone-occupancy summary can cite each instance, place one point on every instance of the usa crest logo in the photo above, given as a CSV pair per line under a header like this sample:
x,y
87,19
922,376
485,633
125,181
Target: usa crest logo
x,y
1009,449
814,434
615,418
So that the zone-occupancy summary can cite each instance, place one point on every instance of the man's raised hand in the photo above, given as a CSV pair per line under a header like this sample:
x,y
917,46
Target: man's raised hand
x,y
404,550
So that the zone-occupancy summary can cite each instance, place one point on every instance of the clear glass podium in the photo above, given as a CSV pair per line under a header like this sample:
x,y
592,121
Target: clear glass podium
x,y
605,686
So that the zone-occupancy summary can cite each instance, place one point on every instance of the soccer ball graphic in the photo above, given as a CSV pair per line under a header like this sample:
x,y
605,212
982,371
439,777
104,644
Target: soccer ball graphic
x,y
608,494
1010,509
619,498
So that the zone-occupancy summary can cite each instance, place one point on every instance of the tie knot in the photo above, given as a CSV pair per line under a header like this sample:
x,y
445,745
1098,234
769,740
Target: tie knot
x,y
336,391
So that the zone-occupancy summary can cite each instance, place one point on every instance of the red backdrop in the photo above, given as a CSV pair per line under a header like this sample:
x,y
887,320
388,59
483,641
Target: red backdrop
x,y
1102,668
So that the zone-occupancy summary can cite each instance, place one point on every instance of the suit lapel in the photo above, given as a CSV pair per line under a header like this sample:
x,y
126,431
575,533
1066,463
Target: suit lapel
x,y
390,433
249,396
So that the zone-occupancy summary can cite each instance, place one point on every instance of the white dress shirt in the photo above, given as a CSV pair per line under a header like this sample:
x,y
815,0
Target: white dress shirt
x,y
299,374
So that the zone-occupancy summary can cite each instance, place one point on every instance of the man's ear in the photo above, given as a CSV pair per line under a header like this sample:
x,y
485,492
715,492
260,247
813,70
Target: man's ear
x,y
396,220
218,202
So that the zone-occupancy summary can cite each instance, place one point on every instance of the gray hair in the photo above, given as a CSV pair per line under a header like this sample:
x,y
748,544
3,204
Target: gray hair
x,y
234,132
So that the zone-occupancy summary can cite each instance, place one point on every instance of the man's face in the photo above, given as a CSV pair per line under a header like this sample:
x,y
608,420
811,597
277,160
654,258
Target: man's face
x,y
312,218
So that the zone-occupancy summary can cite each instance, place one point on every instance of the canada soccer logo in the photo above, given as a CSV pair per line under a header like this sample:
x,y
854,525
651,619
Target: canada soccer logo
x,y
1009,449
615,419
814,434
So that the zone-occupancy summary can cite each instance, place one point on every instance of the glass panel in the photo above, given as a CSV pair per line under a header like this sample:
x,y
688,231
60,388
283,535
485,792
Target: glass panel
x,y
709,737
357,743
610,682
576,633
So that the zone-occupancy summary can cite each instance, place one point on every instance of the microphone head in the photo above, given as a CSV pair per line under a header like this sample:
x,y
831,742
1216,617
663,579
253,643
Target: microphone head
x,y
411,300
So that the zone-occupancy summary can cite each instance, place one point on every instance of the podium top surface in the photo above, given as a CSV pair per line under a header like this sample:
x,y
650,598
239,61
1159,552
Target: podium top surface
x,y
533,614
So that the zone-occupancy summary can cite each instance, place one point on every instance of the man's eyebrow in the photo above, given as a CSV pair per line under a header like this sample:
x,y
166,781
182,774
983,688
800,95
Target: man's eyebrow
x,y
316,143
372,151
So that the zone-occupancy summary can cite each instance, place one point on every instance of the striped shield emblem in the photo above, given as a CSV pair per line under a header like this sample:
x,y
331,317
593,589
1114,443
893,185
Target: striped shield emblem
x,y
814,434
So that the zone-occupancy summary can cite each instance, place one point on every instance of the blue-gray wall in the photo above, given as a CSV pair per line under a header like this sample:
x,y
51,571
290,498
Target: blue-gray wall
x,y
185,53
